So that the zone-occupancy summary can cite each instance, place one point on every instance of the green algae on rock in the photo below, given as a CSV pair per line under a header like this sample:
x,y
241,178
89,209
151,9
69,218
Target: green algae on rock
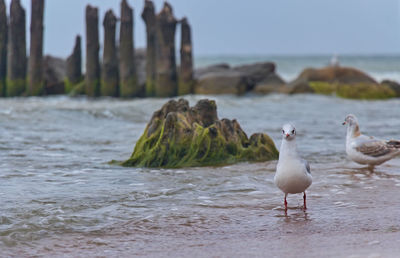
x,y
354,90
182,136
365,91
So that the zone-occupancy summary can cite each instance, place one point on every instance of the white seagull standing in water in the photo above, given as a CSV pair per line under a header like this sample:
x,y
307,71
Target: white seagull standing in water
x,y
367,150
293,174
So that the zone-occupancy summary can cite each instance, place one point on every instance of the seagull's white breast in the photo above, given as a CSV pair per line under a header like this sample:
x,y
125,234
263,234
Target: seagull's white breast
x,y
291,176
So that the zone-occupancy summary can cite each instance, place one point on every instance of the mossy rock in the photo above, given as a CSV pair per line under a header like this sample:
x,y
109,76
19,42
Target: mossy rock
x,y
354,90
395,86
325,88
365,91
182,136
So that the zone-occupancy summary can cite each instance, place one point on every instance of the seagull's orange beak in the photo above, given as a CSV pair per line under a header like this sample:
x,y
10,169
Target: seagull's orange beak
x,y
344,123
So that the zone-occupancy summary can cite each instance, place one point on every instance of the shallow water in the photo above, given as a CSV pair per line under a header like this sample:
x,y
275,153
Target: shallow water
x,y
59,197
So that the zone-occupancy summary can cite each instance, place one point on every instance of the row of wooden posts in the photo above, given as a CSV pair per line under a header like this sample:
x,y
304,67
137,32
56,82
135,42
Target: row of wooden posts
x,y
116,74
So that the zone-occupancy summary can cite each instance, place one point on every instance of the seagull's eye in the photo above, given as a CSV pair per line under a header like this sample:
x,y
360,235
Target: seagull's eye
x,y
292,131
283,131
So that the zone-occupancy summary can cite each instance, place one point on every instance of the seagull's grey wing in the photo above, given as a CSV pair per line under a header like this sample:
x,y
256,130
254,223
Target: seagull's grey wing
x,y
394,143
377,148
305,162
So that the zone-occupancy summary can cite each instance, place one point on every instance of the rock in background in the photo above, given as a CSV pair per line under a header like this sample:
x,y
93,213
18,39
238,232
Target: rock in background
x,y
395,86
222,79
345,82
54,74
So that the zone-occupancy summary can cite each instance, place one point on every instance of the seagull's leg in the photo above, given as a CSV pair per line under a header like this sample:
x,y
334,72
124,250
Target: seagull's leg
x,y
285,203
305,202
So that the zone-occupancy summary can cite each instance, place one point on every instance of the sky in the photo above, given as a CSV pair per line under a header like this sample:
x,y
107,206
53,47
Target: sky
x,y
252,27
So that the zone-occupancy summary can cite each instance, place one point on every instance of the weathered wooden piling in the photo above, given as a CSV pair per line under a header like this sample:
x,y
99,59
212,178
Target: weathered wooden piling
x,y
109,71
74,66
186,69
127,70
92,76
35,65
149,17
166,73
3,47
16,60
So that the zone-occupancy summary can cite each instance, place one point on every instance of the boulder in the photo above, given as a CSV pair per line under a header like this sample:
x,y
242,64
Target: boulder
x,y
331,74
300,85
182,136
354,90
222,82
199,72
256,73
345,82
336,74
222,79
395,86
54,74
273,83
365,91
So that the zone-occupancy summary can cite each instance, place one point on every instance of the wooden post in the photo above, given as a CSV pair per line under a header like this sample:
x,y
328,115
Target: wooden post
x,y
35,66
127,70
92,76
16,61
186,68
74,66
3,47
109,71
149,17
166,79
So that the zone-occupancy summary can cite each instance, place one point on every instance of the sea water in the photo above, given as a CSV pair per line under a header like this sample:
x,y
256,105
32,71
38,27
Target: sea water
x,y
60,197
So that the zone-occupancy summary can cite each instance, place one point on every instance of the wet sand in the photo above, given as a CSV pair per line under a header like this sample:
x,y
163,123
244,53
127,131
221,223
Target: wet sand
x,y
352,213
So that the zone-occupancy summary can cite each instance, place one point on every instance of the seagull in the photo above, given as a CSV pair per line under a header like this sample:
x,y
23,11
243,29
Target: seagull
x,y
293,174
367,150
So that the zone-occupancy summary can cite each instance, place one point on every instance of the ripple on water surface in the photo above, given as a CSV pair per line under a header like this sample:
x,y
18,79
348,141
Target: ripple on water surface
x,y
57,191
